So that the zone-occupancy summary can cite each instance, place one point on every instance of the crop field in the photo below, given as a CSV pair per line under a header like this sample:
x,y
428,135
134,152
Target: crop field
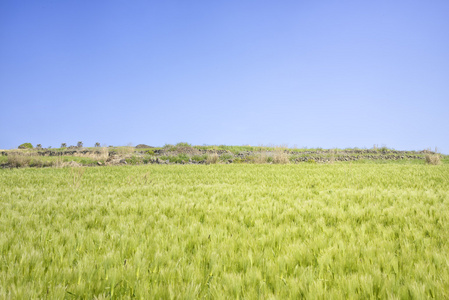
x,y
252,231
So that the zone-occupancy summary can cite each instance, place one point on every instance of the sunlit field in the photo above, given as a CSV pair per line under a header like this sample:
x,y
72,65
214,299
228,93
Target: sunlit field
x,y
333,231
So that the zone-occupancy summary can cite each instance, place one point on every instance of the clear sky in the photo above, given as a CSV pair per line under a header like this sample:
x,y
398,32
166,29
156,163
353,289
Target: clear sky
x,y
306,73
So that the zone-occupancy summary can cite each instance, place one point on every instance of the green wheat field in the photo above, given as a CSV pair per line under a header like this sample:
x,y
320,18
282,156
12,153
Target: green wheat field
x,y
333,231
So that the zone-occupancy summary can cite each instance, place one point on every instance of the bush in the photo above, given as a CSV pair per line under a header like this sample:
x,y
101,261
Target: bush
x,y
199,157
280,156
250,159
261,158
26,146
148,159
168,147
164,157
17,161
226,157
39,163
212,158
433,159
182,157
134,160
238,160
183,145
384,149
143,146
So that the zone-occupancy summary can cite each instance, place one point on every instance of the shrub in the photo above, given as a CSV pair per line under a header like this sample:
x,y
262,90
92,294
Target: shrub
x,y
212,158
182,157
124,150
183,145
384,149
103,154
261,158
143,146
26,146
199,157
238,160
148,158
250,159
39,163
169,147
164,157
332,156
134,160
280,156
226,157
17,161
433,159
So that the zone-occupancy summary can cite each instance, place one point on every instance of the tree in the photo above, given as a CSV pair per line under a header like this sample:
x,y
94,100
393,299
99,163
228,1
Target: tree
x,y
39,146
26,146
80,144
63,145
97,144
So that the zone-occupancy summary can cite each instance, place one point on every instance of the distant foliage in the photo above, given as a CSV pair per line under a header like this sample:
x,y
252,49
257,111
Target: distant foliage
x,y
26,146
79,144
183,144
142,146
97,144
39,146
63,145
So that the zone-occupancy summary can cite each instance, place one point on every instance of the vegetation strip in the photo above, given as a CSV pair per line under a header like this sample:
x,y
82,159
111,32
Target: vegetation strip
x,y
184,153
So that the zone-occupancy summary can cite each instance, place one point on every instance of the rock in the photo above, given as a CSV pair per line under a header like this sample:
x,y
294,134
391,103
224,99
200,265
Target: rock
x,y
99,163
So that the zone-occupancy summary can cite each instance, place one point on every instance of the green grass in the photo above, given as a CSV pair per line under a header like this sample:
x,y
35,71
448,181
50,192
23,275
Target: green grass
x,y
51,160
225,231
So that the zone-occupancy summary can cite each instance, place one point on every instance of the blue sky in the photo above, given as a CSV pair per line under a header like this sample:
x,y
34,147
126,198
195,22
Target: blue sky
x,y
306,73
